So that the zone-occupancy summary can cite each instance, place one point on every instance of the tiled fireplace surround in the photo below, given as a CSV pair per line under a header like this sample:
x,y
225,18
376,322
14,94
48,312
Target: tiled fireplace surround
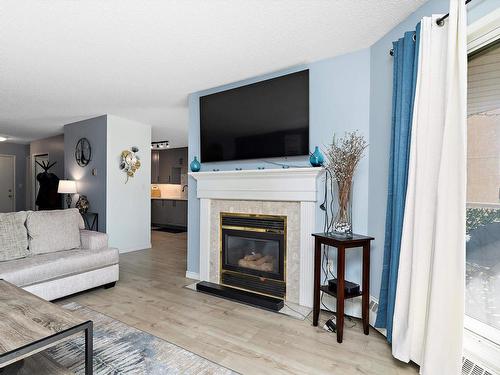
x,y
288,192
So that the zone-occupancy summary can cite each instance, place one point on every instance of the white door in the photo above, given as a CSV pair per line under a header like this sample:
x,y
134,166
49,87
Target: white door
x,y
7,183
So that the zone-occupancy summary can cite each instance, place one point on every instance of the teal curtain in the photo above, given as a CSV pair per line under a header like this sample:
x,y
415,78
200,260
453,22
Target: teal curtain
x,y
404,82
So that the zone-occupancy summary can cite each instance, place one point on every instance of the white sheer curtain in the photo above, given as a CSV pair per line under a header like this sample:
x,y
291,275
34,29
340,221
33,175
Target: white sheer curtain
x,y
428,317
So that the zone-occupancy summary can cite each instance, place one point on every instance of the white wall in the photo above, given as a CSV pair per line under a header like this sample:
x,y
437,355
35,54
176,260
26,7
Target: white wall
x,y
128,205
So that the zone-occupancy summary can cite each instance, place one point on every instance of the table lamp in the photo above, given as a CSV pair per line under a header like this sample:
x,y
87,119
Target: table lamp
x,y
67,187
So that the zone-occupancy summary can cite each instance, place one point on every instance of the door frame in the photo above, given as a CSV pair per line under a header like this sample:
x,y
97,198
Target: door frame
x,y
481,342
14,193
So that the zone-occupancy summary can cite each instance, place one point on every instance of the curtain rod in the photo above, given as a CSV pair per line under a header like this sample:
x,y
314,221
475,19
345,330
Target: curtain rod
x,y
439,22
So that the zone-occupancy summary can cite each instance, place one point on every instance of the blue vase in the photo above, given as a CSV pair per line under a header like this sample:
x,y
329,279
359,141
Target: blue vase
x,y
195,165
316,159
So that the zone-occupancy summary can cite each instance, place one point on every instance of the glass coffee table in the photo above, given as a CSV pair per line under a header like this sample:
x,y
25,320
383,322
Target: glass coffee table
x,y
29,325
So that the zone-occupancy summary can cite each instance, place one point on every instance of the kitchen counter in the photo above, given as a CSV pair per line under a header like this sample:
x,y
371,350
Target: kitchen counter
x,y
169,198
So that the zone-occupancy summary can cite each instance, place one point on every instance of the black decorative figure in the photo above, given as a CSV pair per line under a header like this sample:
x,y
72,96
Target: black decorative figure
x,y
48,198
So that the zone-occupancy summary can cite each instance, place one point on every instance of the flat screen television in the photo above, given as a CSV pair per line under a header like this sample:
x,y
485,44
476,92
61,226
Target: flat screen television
x,y
263,120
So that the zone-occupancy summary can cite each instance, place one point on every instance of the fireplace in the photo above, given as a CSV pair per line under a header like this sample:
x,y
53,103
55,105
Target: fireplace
x,y
291,193
253,253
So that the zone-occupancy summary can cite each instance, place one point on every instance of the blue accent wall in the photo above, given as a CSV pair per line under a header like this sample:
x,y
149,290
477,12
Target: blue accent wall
x,y
352,91
380,133
94,187
339,101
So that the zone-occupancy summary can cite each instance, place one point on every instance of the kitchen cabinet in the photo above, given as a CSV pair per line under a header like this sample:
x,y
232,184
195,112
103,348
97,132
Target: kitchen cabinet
x,y
167,166
169,212
165,162
155,173
179,213
158,215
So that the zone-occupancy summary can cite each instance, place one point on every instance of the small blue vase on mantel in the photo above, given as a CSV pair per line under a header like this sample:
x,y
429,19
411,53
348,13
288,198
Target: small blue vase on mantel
x,y
195,165
316,159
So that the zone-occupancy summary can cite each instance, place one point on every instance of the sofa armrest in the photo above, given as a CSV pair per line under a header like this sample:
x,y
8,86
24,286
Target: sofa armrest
x,y
93,240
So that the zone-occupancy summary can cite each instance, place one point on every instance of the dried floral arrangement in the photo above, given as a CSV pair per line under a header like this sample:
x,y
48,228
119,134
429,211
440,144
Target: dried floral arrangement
x,y
342,157
130,162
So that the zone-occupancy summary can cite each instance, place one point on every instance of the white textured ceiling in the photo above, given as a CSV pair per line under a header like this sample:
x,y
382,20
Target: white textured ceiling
x,y
66,60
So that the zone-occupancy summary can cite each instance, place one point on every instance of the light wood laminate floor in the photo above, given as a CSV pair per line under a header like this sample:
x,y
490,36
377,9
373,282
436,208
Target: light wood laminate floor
x,y
150,296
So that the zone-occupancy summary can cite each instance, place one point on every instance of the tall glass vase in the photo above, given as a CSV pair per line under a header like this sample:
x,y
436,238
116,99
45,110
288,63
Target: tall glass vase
x,y
342,223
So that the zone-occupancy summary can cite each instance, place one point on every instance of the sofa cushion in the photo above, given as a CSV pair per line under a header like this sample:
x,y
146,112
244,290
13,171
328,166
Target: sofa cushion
x,y
39,268
93,240
57,230
13,236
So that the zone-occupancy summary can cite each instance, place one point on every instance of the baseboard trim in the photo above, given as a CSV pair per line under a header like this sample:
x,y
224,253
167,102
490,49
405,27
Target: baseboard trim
x,y
135,248
192,275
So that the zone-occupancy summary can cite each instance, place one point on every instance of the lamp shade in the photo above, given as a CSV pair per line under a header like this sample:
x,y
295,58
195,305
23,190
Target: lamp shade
x,y
67,187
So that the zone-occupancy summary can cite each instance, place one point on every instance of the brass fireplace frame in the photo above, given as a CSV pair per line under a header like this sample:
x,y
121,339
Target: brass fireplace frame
x,y
251,229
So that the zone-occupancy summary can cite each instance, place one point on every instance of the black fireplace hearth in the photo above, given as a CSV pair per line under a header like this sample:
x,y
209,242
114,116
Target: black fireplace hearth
x,y
248,298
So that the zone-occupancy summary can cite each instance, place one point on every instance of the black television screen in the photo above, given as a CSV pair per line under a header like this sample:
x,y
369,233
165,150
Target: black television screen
x,y
263,120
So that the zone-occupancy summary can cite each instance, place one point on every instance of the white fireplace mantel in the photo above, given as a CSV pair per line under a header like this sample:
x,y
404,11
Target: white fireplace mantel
x,y
285,185
290,184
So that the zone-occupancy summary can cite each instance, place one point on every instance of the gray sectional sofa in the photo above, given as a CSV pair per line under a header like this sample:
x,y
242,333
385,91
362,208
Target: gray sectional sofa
x,y
49,254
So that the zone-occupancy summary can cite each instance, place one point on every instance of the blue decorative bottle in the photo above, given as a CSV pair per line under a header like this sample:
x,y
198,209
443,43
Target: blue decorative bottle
x,y
195,165
316,159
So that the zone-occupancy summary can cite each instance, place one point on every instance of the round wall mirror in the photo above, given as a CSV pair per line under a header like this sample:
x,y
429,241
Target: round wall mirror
x,y
83,152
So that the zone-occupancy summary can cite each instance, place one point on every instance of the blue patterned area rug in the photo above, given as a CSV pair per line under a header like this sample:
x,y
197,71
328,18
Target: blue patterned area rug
x,y
121,349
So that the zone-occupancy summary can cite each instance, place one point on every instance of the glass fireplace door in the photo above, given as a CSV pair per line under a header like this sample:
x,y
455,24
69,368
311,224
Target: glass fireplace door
x,y
253,253
252,256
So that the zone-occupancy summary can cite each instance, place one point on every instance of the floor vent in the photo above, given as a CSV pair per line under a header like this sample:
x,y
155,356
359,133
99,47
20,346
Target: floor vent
x,y
470,368
373,306
373,315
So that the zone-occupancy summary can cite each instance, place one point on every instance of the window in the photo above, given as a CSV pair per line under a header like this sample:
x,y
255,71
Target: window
x,y
482,300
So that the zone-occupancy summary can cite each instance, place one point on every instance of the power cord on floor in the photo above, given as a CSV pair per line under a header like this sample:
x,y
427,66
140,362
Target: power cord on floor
x,y
334,314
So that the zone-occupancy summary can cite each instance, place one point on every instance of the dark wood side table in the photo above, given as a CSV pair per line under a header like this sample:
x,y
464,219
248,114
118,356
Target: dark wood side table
x,y
342,243
91,220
